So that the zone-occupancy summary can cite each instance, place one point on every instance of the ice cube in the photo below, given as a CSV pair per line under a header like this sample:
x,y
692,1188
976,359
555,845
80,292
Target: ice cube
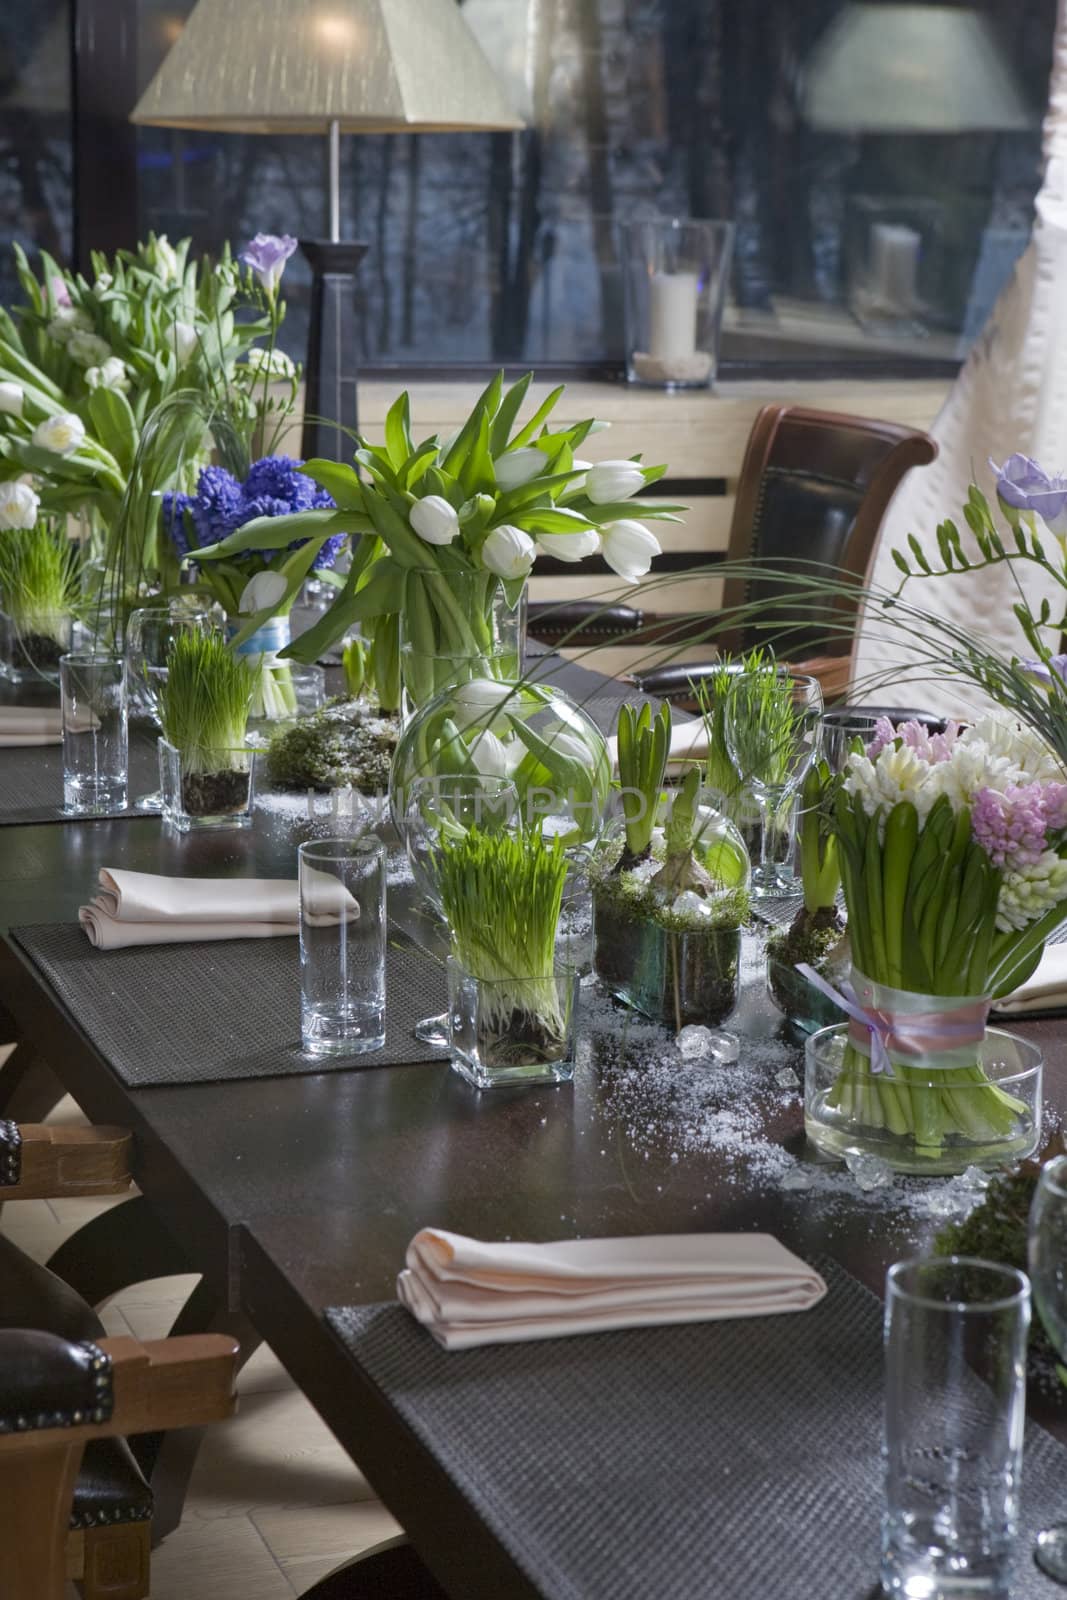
x,y
787,1079
698,1043
798,1178
973,1178
869,1171
945,1201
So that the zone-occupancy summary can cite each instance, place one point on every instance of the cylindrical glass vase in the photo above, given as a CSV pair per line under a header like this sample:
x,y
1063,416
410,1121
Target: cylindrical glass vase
x,y
676,273
456,626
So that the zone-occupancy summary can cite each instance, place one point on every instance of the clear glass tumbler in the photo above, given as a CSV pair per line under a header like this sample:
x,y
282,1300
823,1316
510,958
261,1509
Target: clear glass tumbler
x,y
342,946
955,1330
92,688
1048,1273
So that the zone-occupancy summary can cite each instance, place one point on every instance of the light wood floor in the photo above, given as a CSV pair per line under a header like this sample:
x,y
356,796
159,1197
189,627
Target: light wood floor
x,y
275,1503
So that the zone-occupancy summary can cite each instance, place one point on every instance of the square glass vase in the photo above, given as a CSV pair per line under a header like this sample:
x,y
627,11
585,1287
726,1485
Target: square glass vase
x,y
673,977
30,654
510,1033
222,798
934,1118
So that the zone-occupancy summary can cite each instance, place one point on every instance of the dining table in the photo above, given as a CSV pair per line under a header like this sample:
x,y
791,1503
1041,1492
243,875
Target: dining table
x,y
297,1191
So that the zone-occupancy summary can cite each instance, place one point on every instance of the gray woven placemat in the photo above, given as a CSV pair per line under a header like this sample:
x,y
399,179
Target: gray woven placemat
x,y
204,1013
739,1460
31,782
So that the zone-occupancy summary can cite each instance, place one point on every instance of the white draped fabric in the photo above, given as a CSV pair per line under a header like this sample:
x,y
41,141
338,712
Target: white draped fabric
x,y
1011,395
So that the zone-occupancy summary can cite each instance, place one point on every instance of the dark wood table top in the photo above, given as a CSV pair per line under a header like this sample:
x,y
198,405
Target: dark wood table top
x,y
299,1193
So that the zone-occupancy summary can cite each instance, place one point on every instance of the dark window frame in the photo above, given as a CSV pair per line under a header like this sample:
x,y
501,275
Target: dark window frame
x,y
103,93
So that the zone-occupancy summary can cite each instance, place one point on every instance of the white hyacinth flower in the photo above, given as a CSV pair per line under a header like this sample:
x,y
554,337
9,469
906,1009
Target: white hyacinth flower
x,y
609,481
629,549
434,520
577,546
509,552
12,398
19,506
62,434
516,467
262,590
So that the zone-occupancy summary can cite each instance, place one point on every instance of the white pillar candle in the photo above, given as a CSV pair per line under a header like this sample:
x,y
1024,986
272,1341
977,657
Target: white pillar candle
x,y
672,319
895,266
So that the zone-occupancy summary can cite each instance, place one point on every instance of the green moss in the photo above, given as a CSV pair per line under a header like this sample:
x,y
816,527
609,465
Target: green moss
x,y
344,744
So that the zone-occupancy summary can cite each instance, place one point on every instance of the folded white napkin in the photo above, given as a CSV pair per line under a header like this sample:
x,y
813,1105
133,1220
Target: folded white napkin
x,y
1045,991
143,908
689,742
30,725
470,1293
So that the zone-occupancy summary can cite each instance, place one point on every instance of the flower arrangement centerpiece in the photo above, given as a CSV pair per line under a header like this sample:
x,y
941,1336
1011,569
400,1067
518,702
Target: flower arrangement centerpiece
x,y
205,765
511,1005
670,892
449,532
816,935
953,855
256,588
40,595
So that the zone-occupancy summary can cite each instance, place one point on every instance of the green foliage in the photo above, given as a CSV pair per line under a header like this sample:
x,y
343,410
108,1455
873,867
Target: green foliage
x,y
501,895
204,701
819,869
643,749
341,745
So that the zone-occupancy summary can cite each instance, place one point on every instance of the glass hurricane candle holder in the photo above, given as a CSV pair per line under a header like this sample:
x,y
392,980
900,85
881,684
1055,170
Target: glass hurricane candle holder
x,y
675,273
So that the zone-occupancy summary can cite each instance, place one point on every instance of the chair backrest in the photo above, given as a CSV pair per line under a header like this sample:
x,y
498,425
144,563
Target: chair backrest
x,y
814,488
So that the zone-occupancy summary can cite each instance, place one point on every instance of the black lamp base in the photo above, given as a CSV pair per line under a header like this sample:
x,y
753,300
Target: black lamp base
x,y
330,374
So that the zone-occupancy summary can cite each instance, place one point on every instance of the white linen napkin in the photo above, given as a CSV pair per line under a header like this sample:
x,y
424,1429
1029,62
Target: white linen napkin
x,y
470,1293
689,742
144,908
30,725
1045,991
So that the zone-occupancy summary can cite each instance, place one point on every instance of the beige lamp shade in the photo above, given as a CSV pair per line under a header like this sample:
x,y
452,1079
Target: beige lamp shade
x,y
296,66
913,68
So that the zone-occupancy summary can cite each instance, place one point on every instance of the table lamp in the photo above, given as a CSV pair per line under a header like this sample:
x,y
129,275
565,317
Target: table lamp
x,y
327,67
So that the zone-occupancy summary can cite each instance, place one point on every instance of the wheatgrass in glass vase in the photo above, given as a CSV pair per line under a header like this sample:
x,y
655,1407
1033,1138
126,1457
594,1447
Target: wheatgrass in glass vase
x,y
511,1004
40,595
206,766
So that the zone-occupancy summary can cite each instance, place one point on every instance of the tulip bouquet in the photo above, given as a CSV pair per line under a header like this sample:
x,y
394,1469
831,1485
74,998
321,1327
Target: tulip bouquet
x,y
449,529
953,856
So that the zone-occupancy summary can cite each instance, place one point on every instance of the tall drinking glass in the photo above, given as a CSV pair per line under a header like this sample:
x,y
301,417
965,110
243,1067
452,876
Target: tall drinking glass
x,y
1048,1274
92,689
150,633
772,733
955,1332
444,807
342,946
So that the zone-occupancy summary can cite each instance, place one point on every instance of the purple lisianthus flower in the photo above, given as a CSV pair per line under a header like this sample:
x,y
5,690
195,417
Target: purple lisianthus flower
x,y
1043,673
1024,485
267,254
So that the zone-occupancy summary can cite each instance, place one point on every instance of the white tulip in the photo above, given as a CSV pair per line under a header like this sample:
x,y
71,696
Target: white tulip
x,y
163,257
509,552
489,754
12,396
18,506
516,467
63,434
263,590
88,349
477,702
112,375
186,340
570,746
434,520
68,321
570,546
102,284
609,481
577,465
628,549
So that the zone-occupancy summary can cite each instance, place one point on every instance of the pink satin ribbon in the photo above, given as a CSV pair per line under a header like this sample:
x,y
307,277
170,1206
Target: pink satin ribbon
x,y
915,1033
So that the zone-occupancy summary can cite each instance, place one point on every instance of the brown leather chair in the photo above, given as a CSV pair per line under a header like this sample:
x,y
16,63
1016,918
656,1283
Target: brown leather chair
x,y
73,1502
813,490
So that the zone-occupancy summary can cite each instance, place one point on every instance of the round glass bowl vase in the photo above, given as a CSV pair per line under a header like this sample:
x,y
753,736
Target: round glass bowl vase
x,y
532,734
924,1119
805,1006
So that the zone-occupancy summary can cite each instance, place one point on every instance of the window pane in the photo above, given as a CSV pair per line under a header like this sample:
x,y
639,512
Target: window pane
x,y
856,238
35,133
